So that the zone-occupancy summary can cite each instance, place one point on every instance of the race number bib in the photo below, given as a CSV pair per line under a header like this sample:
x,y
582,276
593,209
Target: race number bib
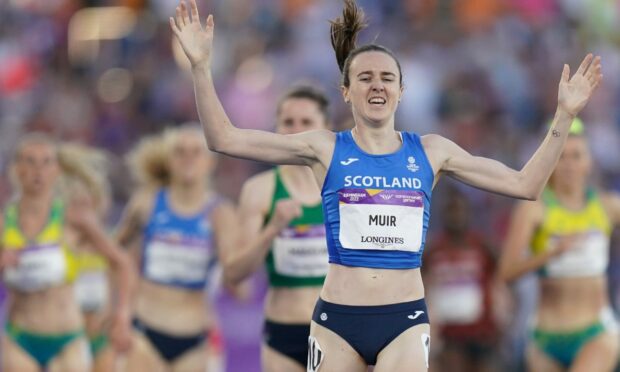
x,y
457,303
588,256
91,290
301,251
38,268
381,219
169,260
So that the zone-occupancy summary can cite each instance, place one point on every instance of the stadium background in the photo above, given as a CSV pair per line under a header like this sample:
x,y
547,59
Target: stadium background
x,y
481,72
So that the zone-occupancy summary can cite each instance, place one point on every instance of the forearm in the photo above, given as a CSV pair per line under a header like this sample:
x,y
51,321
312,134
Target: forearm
x,y
246,261
216,124
536,172
514,270
125,283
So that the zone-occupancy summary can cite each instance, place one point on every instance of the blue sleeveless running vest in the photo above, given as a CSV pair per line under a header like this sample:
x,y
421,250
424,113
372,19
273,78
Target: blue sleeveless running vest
x,y
178,251
377,207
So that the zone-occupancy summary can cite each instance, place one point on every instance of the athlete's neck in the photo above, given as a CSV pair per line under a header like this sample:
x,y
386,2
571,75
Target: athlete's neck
x,y
377,140
572,197
187,198
36,204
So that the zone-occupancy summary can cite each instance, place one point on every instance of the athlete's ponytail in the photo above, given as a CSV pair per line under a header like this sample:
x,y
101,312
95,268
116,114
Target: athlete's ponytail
x,y
84,173
344,31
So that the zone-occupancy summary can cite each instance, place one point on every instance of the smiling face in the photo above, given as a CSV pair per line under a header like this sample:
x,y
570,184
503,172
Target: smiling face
x,y
375,89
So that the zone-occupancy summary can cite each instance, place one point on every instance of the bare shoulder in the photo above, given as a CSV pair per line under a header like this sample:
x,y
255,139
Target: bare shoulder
x,y
437,149
317,135
533,211
261,183
141,203
257,191
611,203
321,141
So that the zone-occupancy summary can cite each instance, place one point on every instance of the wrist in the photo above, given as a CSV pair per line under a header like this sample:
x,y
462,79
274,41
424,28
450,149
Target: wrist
x,y
272,229
562,113
201,67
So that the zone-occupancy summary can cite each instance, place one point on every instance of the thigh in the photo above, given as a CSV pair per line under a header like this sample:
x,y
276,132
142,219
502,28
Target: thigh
x,y
142,357
600,354
74,357
538,361
192,360
14,358
328,352
274,361
406,353
105,360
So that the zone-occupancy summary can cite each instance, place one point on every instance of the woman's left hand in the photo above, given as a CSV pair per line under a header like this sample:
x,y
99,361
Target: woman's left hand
x,y
574,93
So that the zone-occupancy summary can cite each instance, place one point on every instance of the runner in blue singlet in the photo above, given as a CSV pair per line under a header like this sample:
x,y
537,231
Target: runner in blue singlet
x,y
376,189
176,227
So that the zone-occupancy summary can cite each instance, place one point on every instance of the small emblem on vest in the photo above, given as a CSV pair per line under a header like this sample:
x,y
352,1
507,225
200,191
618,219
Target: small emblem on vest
x,y
412,166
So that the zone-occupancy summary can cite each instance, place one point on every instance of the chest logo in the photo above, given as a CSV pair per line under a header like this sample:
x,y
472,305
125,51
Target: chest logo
x,y
412,166
348,161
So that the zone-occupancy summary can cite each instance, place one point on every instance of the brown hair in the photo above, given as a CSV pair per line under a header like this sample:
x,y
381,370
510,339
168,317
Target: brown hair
x,y
344,31
311,93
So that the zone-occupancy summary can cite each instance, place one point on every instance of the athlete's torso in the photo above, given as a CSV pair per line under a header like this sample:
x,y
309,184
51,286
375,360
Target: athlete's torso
x,y
177,259
573,284
377,206
369,276
297,262
41,285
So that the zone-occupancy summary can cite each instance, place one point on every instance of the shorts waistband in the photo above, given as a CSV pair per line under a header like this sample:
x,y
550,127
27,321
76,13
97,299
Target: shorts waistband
x,y
375,309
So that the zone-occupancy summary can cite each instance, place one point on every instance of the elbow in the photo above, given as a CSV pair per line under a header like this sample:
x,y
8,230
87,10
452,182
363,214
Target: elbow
x,y
526,190
215,145
220,142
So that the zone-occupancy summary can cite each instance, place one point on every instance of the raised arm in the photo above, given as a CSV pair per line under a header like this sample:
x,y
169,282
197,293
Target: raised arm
x,y
528,183
222,136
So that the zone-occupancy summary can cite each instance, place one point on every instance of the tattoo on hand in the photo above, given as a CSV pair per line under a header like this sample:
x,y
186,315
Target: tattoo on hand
x,y
555,133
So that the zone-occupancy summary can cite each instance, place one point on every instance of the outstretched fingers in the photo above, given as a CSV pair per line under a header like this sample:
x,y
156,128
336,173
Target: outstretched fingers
x,y
194,11
585,64
565,74
185,13
179,17
593,74
174,27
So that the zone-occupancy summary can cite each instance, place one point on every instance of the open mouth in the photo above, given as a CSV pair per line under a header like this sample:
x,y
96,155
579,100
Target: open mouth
x,y
377,101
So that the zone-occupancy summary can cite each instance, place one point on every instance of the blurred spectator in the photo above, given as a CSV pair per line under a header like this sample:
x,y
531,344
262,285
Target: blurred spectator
x,y
459,272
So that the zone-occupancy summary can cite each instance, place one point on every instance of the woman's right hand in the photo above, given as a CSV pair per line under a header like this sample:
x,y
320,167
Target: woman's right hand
x,y
284,212
196,41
